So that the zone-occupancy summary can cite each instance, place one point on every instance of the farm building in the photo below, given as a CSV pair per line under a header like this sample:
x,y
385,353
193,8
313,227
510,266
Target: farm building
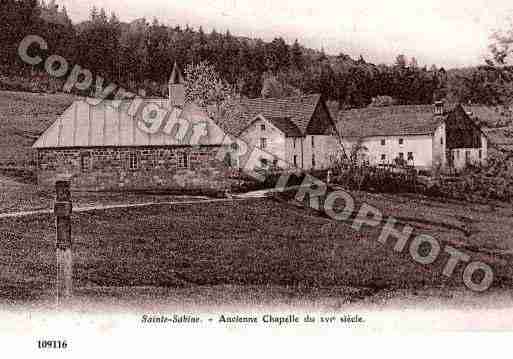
x,y
116,145
112,146
426,137
293,132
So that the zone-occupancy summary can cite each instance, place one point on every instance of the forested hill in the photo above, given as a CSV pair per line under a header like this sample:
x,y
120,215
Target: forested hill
x,y
140,54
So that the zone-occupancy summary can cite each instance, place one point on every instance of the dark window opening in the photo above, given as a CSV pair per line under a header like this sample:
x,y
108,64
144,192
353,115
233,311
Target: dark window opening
x,y
410,156
313,160
183,160
263,162
263,143
383,157
383,142
262,127
85,162
401,141
401,156
295,161
228,160
133,161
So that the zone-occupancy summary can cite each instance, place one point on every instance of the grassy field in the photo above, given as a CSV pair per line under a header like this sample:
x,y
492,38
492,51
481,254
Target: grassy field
x,y
16,196
259,245
22,114
256,243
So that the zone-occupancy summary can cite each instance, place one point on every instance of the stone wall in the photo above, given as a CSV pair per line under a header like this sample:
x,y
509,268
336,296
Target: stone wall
x,y
137,168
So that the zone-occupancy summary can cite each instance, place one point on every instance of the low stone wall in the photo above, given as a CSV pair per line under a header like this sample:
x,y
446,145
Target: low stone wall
x,y
131,169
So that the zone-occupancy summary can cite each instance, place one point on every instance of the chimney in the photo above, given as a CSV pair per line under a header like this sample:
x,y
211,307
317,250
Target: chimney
x,y
439,108
176,88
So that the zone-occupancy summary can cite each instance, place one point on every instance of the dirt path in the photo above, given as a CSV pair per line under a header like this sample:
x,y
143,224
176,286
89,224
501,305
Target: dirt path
x,y
119,206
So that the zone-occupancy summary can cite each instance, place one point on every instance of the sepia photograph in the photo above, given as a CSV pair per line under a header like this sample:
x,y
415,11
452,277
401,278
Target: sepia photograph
x,y
235,171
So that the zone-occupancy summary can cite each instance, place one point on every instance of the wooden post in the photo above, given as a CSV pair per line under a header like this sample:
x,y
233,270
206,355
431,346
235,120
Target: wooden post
x,y
62,212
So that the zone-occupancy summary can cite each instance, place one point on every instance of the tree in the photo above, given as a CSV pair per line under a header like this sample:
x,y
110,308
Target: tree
x,y
98,44
400,61
274,87
204,86
414,65
139,55
501,45
296,56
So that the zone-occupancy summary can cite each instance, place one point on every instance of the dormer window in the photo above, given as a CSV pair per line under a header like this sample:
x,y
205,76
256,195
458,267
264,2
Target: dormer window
x,y
262,127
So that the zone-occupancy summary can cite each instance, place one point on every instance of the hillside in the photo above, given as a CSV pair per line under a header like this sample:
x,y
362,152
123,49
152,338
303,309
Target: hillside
x,y
23,116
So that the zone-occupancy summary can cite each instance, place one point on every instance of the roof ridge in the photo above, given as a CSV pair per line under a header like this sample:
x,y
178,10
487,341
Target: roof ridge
x,y
282,98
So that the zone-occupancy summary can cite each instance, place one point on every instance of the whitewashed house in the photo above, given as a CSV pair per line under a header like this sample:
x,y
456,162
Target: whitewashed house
x,y
288,133
426,137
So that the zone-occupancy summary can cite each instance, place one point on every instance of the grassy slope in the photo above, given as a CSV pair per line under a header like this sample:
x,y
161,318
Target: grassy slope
x,y
259,242
22,111
16,196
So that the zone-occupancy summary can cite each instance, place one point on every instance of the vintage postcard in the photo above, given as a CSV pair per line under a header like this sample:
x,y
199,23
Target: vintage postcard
x,y
238,173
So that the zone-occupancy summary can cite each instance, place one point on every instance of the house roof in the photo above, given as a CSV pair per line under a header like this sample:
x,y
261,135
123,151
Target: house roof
x,y
388,121
109,124
490,116
502,136
293,114
285,125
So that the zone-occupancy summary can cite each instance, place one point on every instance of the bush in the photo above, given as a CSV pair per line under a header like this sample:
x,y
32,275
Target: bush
x,y
245,183
378,179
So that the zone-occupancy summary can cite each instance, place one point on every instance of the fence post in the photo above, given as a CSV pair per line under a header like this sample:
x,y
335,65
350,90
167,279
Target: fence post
x,y
62,211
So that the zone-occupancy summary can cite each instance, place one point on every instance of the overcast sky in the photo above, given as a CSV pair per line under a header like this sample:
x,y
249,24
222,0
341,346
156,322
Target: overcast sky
x,y
450,33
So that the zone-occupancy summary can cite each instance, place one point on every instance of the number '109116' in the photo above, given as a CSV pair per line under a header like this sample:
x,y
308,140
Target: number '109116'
x,y
52,344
